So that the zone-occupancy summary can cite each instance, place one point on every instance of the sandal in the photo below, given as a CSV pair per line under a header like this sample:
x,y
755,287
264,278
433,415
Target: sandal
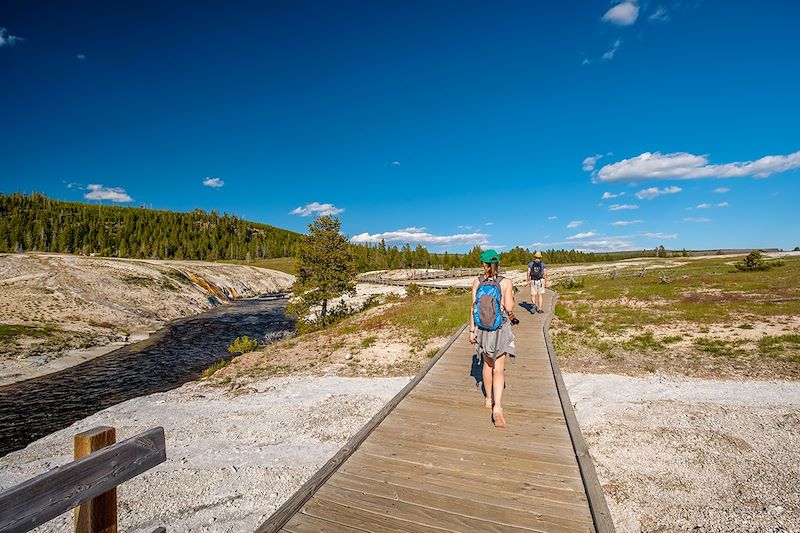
x,y
498,418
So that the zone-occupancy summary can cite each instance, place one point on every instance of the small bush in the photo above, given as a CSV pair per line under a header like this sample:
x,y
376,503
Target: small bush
x,y
243,345
754,262
572,283
413,290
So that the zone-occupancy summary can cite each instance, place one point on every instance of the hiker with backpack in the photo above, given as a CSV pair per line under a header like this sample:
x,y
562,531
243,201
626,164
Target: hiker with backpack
x,y
537,277
491,317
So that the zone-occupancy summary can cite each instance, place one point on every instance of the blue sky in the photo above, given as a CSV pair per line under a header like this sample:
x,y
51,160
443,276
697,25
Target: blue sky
x,y
446,123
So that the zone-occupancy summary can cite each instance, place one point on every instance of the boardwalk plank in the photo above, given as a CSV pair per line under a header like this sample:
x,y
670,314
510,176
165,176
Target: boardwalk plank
x,y
437,463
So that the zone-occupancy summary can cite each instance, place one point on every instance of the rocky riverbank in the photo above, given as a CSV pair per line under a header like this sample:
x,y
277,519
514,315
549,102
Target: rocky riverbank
x,y
60,310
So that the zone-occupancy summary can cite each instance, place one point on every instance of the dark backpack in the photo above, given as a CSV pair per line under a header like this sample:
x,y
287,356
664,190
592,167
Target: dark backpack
x,y
537,270
486,310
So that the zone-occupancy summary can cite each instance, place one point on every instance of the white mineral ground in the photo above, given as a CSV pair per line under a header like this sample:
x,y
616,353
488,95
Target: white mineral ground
x,y
673,454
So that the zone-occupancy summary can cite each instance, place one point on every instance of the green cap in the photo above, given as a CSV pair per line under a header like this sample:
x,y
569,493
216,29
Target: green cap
x,y
490,256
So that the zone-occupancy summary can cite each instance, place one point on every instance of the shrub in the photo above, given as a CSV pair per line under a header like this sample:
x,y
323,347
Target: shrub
x,y
754,262
413,290
243,345
572,283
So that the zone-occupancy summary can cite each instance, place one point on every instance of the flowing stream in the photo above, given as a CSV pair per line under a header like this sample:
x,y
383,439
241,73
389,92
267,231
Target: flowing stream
x,y
173,355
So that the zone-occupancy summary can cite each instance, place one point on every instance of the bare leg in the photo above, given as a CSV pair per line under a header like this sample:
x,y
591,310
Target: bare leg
x,y
499,380
488,364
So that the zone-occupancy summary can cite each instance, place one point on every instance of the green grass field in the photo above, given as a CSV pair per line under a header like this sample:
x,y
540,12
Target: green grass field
x,y
282,264
708,313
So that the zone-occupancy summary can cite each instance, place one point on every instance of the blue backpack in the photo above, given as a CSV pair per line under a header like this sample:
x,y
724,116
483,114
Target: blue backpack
x,y
486,310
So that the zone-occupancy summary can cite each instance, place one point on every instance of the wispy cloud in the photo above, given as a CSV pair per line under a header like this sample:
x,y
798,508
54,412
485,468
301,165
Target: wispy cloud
x,y
489,224
590,161
101,192
696,219
80,57
316,208
584,235
609,54
585,61
722,204
659,15
655,192
721,190
574,224
416,235
552,217
626,222
665,236
684,166
214,183
703,206
609,195
8,40
621,207
623,14
395,163
610,244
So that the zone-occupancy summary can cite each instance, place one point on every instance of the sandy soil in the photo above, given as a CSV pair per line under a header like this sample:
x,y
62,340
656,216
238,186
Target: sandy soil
x,y
233,457
681,454
78,305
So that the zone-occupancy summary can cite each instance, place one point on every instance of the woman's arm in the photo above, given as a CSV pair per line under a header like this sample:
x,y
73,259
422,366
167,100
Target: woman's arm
x,y
508,295
472,335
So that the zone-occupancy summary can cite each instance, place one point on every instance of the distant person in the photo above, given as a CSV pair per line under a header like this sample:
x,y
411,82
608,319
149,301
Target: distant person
x,y
537,277
491,316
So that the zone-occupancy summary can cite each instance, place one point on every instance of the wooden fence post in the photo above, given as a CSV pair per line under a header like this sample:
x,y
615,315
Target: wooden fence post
x,y
98,515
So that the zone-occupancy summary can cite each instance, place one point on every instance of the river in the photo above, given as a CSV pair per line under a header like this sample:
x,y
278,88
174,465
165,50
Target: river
x,y
173,355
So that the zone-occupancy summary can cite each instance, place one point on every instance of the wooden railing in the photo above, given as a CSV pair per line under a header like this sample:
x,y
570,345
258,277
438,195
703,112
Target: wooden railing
x,y
87,484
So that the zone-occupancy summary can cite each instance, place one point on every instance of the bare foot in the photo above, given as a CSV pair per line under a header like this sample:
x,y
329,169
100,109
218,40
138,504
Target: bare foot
x,y
498,418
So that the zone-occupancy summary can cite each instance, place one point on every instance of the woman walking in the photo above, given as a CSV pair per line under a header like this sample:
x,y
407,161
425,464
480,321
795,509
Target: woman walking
x,y
491,316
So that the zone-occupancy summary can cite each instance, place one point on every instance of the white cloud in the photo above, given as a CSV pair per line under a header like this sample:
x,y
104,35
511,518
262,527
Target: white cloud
x,y
620,207
623,14
659,15
696,219
721,190
419,236
666,236
609,55
81,57
316,208
489,224
585,61
552,217
395,163
574,224
213,182
611,244
722,204
100,192
627,222
609,196
584,235
590,162
8,40
654,192
703,206
684,166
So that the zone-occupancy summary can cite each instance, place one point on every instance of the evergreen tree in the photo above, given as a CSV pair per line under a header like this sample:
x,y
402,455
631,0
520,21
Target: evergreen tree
x,y
325,268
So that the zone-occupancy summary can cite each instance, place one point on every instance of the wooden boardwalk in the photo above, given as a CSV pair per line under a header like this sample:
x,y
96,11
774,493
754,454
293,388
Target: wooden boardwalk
x,y
433,461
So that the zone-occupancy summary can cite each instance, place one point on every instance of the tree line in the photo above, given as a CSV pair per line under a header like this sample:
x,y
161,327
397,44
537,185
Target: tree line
x,y
38,223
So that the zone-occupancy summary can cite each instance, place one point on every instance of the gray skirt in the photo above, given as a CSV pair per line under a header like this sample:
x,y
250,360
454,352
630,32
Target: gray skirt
x,y
496,343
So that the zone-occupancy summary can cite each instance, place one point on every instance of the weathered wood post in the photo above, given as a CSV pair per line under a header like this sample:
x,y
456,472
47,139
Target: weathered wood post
x,y
98,515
